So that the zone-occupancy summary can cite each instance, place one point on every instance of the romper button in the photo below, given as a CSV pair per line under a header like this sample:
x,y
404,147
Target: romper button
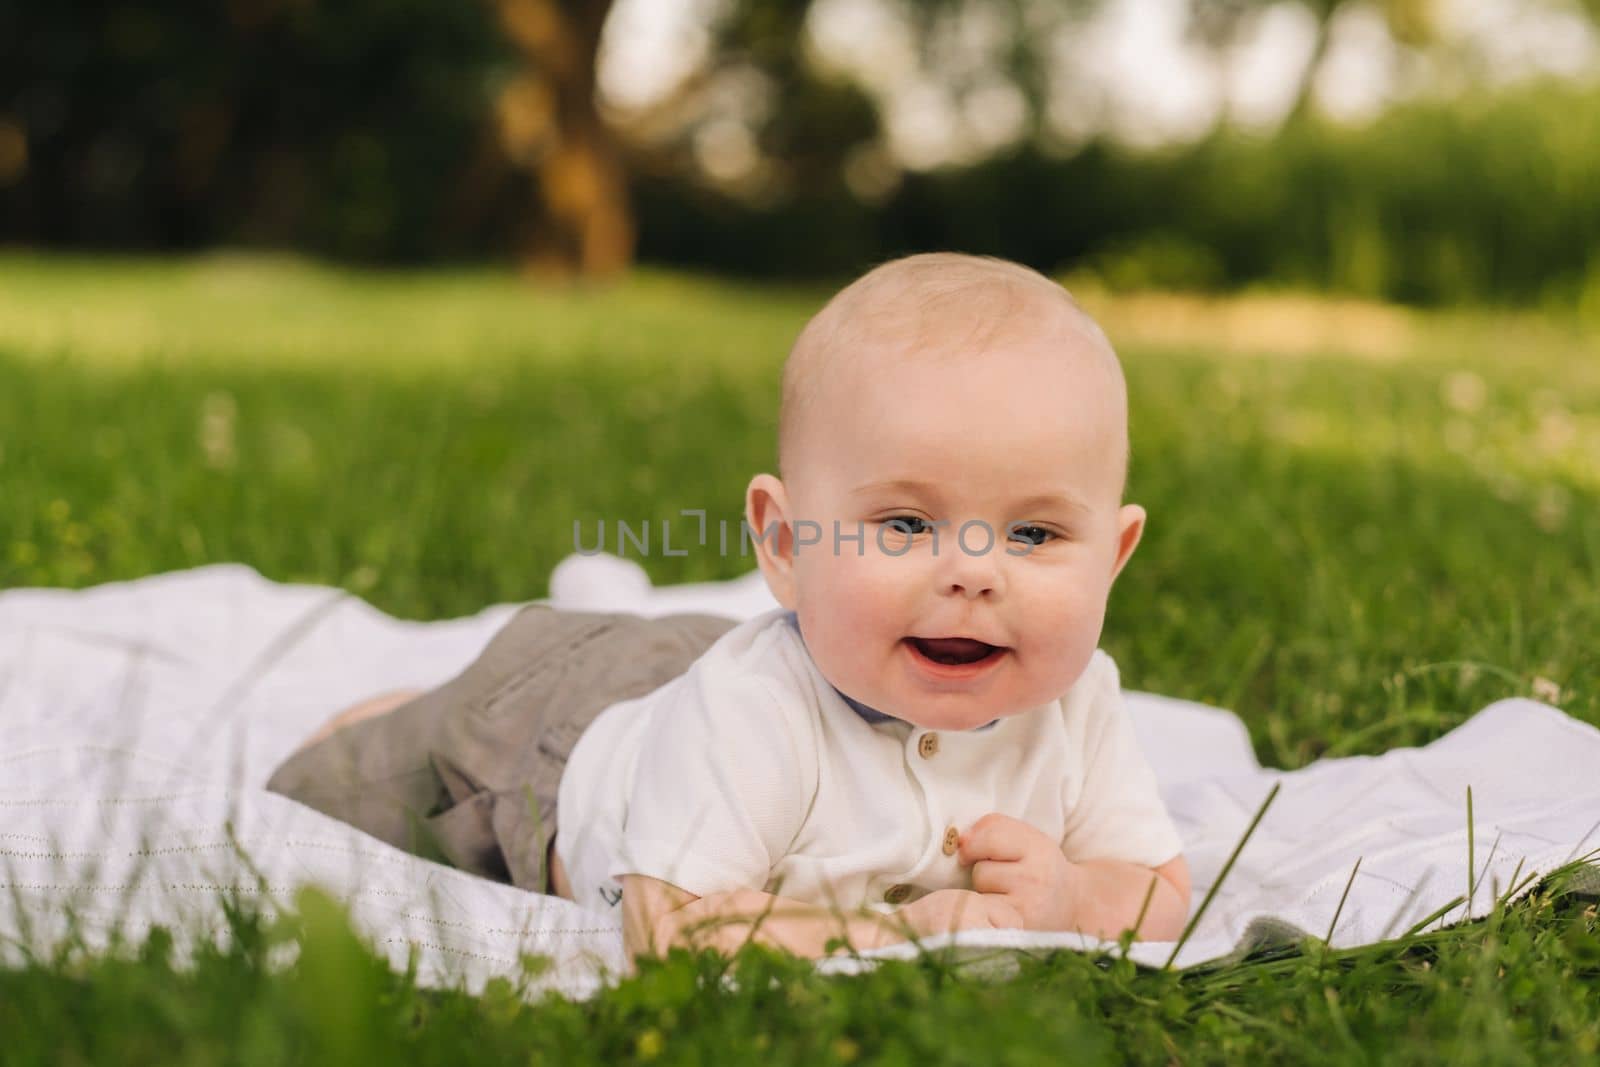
x,y
897,893
952,841
928,746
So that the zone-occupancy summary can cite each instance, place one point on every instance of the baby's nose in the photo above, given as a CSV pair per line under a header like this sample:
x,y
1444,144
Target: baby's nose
x,y
972,573
971,590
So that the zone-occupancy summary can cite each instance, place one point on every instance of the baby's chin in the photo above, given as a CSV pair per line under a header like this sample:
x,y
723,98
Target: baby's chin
x,y
952,728
970,717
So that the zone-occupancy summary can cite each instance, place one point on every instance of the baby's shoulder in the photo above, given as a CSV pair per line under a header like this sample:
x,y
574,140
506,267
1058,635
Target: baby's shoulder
x,y
746,701
1095,697
759,665
761,646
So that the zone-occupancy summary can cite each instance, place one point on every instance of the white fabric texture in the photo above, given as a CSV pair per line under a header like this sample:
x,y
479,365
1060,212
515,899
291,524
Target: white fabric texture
x,y
139,721
750,771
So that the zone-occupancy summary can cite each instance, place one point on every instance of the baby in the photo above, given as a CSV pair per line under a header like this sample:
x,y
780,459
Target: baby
x,y
924,737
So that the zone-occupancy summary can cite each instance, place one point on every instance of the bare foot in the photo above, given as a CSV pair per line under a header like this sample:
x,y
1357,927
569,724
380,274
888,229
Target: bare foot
x,y
367,709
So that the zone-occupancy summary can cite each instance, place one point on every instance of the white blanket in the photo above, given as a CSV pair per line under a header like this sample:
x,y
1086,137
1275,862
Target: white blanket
x,y
139,720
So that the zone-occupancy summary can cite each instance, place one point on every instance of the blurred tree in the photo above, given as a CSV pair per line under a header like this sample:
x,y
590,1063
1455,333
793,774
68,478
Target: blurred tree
x,y
405,130
1218,24
762,119
283,122
549,122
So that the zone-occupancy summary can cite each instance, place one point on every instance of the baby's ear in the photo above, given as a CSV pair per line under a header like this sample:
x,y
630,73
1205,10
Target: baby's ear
x,y
766,507
1130,527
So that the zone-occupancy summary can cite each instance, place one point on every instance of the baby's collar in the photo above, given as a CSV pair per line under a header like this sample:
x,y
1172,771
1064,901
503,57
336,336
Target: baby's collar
x,y
872,716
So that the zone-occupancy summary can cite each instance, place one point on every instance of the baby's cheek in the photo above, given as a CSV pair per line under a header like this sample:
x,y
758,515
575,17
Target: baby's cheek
x,y
867,597
839,589
1065,615
868,570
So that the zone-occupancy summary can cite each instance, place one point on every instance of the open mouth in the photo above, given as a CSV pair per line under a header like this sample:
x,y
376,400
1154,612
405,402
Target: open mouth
x,y
954,651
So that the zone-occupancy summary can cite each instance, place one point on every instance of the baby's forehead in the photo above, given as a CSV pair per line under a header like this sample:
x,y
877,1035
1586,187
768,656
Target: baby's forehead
x,y
979,297
892,342
949,304
934,308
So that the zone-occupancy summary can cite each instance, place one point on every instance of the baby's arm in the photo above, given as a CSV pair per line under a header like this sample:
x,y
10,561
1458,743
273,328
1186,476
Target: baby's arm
x,y
657,915
1118,845
1109,893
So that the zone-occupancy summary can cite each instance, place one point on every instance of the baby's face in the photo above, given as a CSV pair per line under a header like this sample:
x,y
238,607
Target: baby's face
x,y
1017,436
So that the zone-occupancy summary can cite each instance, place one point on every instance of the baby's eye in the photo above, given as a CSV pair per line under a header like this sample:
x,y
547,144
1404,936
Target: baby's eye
x,y
1033,535
909,524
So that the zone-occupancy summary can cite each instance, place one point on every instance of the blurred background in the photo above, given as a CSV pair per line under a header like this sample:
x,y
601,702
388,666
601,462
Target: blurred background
x,y
1421,151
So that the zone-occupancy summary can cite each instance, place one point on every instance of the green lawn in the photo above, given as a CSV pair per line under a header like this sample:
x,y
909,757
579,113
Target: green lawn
x,y
1353,552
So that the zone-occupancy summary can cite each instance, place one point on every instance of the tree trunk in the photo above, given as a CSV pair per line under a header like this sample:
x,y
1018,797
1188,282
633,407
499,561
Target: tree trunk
x,y
582,223
1319,51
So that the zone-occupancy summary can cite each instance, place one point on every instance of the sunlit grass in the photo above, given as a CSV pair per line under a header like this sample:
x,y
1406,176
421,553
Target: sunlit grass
x,y
236,310
1355,543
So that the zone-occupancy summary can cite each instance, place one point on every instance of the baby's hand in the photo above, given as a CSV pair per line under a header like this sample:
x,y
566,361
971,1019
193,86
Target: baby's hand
x,y
945,911
1014,863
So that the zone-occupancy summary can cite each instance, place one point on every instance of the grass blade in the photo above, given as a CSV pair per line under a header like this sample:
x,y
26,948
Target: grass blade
x,y
1222,875
1338,911
1144,908
1447,907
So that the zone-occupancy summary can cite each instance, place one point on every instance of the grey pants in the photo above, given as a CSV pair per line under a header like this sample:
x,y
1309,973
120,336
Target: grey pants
x,y
468,773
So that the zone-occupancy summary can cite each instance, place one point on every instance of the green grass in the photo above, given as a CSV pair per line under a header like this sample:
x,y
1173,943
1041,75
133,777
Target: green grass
x,y
1353,553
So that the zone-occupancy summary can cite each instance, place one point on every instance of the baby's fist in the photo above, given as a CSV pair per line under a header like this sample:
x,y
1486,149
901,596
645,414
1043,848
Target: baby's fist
x,y
1016,863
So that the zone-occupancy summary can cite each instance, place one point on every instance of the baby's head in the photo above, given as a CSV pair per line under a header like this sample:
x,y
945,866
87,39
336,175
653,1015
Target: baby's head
x,y
974,401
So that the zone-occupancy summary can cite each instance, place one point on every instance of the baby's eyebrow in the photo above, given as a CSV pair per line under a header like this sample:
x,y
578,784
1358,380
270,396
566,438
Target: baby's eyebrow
x,y
1035,502
904,485
1046,501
